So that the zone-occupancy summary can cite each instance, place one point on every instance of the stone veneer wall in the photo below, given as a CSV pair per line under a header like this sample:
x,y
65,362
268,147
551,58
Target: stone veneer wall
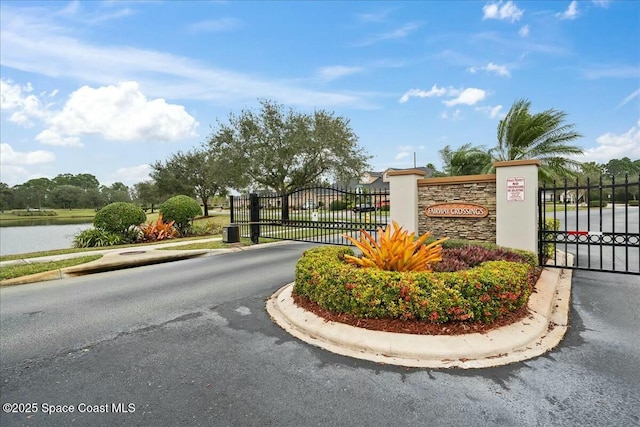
x,y
476,189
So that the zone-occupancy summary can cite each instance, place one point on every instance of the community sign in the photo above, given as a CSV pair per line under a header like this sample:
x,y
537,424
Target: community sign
x,y
456,210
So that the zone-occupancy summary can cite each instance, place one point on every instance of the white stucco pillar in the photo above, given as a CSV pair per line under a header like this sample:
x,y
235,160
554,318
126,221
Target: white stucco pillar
x,y
403,197
517,204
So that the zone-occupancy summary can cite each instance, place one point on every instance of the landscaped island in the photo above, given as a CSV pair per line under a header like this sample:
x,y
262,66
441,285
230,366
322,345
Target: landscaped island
x,y
473,287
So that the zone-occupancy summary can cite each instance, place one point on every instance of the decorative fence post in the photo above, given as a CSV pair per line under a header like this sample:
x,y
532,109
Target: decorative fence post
x,y
254,217
517,204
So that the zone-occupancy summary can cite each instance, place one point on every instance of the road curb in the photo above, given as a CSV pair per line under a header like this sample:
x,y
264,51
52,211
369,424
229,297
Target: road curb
x,y
526,339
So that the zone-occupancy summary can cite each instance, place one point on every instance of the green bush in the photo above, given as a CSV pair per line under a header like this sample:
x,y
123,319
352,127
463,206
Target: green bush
x,y
597,203
182,210
338,205
634,203
484,293
35,213
95,237
119,217
548,233
206,228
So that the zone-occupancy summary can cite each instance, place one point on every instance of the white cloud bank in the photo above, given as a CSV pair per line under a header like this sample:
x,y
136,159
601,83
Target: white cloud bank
x,y
468,96
132,175
503,11
571,12
117,113
9,157
37,43
500,70
615,146
335,72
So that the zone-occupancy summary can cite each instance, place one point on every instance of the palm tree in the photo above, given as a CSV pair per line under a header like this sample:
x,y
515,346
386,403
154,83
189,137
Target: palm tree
x,y
542,136
466,160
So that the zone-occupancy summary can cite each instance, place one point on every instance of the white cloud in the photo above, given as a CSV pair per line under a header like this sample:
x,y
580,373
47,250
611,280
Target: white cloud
x,y
455,116
401,155
51,137
35,43
9,157
571,12
500,70
469,96
117,113
17,99
628,99
615,146
503,11
399,33
215,25
492,112
337,71
132,175
434,91
601,3
375,16
524,31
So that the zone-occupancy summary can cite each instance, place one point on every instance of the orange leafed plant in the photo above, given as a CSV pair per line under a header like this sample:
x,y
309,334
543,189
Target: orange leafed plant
x,y
158,230
397,250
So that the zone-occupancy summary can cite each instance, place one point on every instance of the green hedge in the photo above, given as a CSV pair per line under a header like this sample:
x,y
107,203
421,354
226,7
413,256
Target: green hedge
x,y
35,213
483,293
597,203
550,224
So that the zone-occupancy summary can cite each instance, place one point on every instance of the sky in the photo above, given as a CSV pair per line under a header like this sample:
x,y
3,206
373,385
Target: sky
x,y
110,87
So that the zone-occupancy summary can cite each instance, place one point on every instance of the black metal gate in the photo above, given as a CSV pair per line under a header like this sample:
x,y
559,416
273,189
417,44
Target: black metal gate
x,y
596,222
314,214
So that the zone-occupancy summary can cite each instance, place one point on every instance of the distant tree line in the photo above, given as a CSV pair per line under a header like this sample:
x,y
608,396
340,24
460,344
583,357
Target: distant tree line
x,y
281,150
65,191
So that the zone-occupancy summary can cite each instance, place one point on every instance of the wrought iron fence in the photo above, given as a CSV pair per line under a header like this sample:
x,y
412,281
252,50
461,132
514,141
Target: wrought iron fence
x,y
597,222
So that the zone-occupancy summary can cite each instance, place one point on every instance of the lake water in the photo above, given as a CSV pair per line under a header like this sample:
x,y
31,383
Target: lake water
x,y
20,240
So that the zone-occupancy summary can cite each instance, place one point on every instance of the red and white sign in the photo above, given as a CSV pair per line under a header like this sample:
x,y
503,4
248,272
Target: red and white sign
x,y
515,189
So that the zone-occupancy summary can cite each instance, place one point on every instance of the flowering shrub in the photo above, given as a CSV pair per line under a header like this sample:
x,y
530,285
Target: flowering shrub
x,y
483,293
397,251
159,230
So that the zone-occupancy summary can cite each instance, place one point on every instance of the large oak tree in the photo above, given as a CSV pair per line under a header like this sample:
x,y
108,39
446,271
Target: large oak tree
x,y
284,150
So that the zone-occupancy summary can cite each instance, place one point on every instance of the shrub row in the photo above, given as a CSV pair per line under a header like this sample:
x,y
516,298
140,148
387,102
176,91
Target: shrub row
x,y
483,293
34,213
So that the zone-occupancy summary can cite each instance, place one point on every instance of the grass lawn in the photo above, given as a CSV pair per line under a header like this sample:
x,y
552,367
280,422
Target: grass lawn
x,y
12,271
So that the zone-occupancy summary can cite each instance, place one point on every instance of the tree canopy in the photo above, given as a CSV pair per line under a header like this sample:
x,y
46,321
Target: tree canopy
x,y
287,150
543,136
465,160
199,172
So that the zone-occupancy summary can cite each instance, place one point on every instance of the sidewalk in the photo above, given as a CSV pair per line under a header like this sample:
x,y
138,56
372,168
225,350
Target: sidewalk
x,y
116,259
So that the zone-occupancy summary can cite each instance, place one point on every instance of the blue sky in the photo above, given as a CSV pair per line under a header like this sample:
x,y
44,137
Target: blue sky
x,y
109,87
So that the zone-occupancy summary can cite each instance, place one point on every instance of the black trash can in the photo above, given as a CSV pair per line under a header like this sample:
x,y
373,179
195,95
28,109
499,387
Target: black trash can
x,y
231,233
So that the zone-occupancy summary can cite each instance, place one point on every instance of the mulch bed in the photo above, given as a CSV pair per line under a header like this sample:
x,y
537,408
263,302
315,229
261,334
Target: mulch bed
x,y
412,326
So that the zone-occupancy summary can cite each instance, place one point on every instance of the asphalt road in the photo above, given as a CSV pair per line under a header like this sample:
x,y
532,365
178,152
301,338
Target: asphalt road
x,y
190,343
624,222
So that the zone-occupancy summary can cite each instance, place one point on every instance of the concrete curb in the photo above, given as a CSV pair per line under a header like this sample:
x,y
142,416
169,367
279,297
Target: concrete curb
x,y
529,338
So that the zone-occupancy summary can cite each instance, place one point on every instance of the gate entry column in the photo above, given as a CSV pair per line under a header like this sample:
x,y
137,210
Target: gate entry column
x,y
517,204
